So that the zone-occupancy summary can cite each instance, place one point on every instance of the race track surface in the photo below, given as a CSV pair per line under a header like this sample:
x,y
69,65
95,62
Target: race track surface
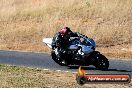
x,y
44,61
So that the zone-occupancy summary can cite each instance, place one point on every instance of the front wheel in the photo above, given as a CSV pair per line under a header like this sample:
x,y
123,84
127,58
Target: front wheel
x,y
102,62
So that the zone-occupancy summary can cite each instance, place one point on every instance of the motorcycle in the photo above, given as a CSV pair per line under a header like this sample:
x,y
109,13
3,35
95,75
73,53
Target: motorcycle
x,y
80,51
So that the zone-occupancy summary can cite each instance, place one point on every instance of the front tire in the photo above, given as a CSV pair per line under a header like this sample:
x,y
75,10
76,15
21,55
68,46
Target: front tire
x,y
102,62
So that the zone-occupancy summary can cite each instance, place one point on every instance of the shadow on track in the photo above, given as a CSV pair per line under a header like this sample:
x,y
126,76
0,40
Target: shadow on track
x,y
93,68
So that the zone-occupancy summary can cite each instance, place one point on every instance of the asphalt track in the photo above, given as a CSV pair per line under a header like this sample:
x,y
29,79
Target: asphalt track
x,y
44,61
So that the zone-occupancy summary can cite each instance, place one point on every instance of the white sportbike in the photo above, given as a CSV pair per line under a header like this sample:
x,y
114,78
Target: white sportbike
x,y
79,53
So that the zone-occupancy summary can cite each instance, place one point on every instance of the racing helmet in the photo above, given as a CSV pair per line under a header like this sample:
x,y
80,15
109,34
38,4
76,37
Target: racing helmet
x,y
65,31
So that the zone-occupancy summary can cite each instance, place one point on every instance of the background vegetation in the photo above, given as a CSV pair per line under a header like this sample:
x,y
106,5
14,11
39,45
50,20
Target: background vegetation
x,y
23,23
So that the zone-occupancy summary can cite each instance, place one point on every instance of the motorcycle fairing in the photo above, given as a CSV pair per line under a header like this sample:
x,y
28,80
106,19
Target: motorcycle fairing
x,y
48,41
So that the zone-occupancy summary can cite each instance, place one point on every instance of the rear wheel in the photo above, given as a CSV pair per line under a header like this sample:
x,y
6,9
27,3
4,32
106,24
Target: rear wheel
x,y
102,62
58,59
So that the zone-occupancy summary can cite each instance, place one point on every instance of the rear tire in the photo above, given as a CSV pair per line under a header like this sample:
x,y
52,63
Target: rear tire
x,y
57,60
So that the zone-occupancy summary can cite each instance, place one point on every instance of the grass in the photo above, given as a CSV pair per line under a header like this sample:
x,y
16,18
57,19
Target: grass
x,y
23,23
19,77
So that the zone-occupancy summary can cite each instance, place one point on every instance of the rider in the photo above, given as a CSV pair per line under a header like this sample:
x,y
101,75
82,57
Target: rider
x,y
60,41
61,38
